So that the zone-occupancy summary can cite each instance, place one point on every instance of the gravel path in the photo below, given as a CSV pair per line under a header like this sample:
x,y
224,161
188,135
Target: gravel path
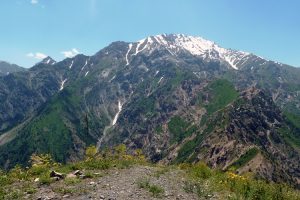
x,y
121,184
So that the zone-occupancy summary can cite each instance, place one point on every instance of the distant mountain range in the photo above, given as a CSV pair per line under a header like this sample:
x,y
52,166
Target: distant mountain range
x,y
6,68
179,98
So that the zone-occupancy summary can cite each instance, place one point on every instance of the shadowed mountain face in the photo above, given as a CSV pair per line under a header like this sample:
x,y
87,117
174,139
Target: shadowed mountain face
x,y
179,98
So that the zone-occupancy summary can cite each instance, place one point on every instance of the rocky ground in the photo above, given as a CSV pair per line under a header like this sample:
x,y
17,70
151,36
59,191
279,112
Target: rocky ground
x,y
121,184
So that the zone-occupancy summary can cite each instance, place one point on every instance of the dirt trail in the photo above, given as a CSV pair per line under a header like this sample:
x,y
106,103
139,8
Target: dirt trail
x,y
121,184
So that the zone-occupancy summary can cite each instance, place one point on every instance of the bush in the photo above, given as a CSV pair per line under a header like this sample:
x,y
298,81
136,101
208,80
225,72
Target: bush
x,y
41,160
120,151
72,181
96,164
38,170
45,179
154,189
18,173
233,186
201,170
4,180
91,153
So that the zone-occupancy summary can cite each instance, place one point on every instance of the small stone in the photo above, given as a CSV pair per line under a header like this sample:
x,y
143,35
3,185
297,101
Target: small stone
x,y
44,198
56,174
92,183
71,176
55,178
37,180
77,172
82,176
102,197
66,196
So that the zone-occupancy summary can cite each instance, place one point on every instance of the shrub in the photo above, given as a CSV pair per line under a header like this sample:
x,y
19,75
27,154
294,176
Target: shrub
x,y
45,179
96,164
41,160
38,170
143,183
120,151
91,153
155,190
201,170
139,155
18,173
72,181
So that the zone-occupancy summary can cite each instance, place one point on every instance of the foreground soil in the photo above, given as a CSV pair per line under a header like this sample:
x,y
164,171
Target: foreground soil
x,y
120,184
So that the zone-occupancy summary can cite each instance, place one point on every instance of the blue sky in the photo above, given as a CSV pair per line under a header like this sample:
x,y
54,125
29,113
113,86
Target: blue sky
x,y
31,29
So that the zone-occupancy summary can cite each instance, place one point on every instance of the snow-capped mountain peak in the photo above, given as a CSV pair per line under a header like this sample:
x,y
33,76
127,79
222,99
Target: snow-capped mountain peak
x,y
48,61
197,46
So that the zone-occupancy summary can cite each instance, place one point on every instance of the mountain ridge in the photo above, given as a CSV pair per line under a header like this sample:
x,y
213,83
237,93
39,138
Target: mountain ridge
x,y
171,101
7,68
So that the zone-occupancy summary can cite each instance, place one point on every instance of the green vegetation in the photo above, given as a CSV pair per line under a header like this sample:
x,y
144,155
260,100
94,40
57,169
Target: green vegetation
x,y
43,164
175,77
206,182
52,130
159,129
291,130
162,171
47,133
188,148
292,87
179,129
221,92
293,119
155,190
199,178
289,136
185,153
146,105
245,158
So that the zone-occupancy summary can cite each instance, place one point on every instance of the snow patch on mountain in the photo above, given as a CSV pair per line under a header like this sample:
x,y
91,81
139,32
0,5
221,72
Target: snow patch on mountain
x,y
71,64
126,57
118,113
86,62
197,46
112,78
161,78
62,85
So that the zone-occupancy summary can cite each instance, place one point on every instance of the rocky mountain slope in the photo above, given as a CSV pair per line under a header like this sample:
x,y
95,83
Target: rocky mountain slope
x,y
7,68
179,98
